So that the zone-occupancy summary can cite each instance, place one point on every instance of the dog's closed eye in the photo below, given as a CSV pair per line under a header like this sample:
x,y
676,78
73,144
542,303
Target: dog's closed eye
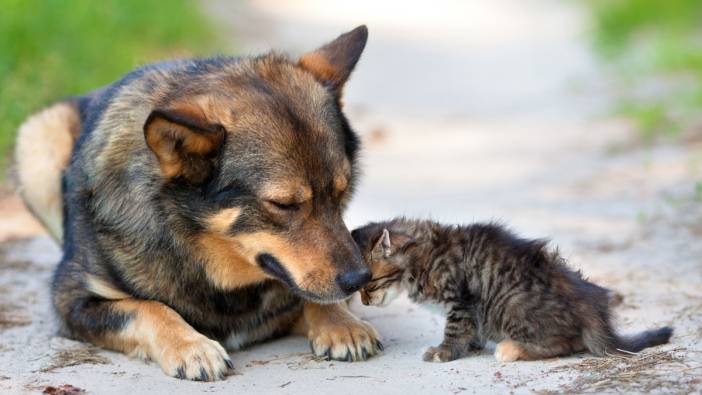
x,y
284,206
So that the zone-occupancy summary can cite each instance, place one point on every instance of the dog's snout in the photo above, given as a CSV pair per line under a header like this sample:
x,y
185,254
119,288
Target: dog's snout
x,y
351,282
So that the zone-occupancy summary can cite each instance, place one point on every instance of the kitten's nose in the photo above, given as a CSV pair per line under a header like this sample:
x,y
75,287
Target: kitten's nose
x,y
351,282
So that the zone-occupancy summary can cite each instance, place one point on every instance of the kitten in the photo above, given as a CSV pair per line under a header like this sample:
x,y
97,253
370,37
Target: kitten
x,y
493,286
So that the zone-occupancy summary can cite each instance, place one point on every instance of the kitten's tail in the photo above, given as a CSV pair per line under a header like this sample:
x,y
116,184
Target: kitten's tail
x,y
601,342
645,339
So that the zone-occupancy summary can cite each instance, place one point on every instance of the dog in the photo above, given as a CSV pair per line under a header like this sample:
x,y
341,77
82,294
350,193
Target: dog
x,y
199,204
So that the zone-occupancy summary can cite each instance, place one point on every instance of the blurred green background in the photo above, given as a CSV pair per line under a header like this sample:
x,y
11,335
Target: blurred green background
x,y
50,49
656,49
54,48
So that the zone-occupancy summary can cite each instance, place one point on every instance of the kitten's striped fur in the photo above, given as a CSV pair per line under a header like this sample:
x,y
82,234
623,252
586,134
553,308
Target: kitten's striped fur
x,y
495,286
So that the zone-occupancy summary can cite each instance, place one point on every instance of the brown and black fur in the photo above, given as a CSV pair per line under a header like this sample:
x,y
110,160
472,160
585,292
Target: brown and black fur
x,y
202,204
494,286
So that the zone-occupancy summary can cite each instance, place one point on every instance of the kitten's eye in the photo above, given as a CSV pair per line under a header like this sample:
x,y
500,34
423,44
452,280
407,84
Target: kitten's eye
x,y
284,206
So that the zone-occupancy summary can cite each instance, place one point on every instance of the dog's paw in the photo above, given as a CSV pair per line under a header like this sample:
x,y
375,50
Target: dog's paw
x,y
509,351
438,354
196,358
348,340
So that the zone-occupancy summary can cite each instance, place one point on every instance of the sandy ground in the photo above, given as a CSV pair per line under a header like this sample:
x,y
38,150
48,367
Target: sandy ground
x,y
469,111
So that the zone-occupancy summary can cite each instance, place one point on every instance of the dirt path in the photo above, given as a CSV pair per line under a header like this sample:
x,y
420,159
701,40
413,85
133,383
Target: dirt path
x,y
469,111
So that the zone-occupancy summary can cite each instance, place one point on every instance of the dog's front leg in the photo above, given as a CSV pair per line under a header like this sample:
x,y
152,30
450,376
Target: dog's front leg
x,y
149,329
335,333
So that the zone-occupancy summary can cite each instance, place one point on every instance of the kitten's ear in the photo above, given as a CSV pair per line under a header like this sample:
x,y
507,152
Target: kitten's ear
x,y
389,244
382,246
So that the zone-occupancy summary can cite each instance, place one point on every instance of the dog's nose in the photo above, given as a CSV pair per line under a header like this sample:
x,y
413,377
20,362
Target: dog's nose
x,y
351,282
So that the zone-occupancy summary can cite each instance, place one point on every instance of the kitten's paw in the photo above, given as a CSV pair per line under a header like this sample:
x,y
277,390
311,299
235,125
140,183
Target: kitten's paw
x,y
509,351
348,340
196,358
438,354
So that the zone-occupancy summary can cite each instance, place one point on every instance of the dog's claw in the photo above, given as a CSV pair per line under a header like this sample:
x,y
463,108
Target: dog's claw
x,y
364,353
348,358
180,373
379,345
229,363
203,375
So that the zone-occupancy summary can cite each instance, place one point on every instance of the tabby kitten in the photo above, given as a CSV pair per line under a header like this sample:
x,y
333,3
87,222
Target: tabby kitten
x,y
494,286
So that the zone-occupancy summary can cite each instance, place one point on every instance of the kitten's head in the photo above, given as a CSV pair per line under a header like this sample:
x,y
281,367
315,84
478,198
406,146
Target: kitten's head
x,y
385,248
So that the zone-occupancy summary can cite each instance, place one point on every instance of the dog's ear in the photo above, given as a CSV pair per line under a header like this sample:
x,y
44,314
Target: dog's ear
x,y
334,62
185,144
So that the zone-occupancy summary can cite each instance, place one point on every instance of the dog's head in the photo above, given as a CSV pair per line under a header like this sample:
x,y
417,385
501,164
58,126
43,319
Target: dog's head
x,y
259,162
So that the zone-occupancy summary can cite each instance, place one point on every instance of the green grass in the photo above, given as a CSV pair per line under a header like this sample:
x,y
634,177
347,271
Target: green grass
x,y
50,49
698,191
653,43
